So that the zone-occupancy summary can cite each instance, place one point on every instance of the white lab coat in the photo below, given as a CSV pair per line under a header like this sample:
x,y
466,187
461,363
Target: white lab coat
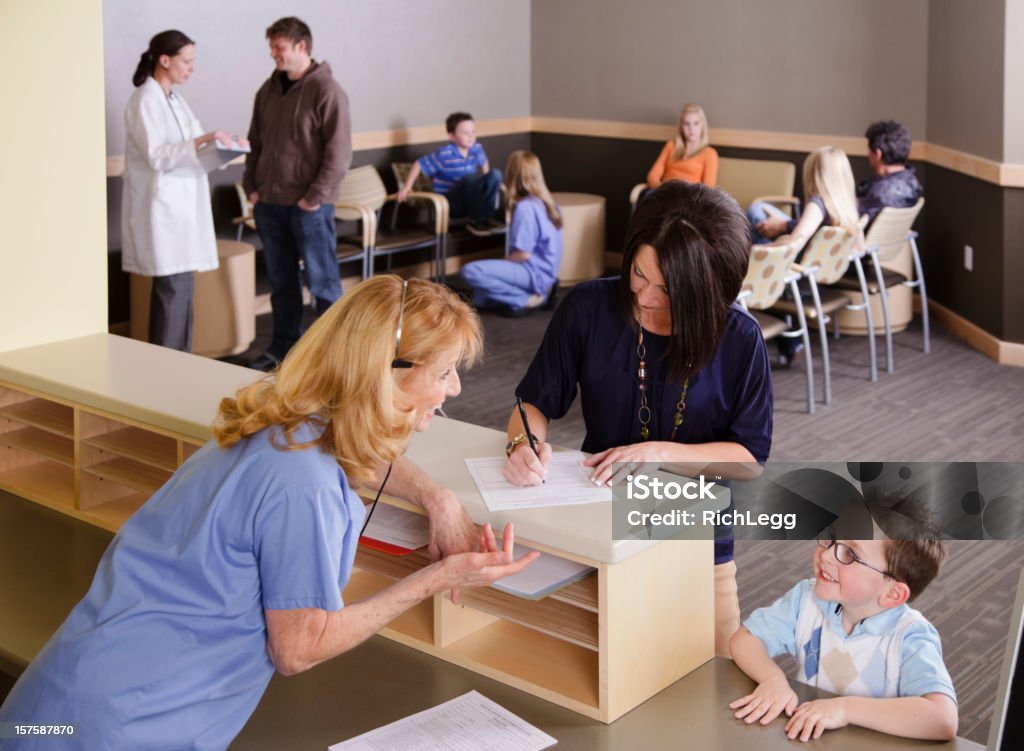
x,y
166,215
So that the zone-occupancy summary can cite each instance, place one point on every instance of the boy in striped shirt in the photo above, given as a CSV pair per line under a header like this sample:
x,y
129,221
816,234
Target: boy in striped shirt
x,y
460,171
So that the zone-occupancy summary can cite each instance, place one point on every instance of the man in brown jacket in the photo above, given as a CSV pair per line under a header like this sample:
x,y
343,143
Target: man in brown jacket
x,y
301,139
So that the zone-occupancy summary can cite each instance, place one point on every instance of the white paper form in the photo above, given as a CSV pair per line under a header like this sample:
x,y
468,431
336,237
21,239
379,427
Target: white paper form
x,y
568,482
470,722
398,527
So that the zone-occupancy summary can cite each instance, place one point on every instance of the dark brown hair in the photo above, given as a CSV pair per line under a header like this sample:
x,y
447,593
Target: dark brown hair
x,y
167,43
914,562
892,139
914,551
702,241
292,29
452,121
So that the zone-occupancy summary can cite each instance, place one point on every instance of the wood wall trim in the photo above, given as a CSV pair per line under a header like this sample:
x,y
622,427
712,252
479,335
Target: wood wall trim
x,y
1004,174
1004,353
968,164
383,139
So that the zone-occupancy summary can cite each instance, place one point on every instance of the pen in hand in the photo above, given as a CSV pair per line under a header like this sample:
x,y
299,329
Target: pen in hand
x,y
526,428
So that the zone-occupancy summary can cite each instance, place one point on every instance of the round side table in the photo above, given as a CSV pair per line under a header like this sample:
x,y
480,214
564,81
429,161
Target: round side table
x,y
583,236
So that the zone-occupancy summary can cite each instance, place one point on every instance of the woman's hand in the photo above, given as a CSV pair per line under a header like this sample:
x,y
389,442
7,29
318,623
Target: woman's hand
x,y
216,135
524,467
451,529
812,718
634,456
518,256
486,567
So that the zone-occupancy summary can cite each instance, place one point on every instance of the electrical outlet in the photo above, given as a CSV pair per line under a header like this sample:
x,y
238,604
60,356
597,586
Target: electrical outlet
x,y
969,258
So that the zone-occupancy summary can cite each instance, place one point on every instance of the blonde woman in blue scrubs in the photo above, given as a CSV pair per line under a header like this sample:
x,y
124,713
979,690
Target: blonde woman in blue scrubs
x,y
236,567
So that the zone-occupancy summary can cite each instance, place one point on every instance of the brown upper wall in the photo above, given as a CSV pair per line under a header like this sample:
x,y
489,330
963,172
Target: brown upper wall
x,y
966,44
403,64
828,66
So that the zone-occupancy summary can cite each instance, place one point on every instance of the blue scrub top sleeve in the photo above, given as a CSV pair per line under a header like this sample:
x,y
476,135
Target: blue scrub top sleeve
x,y
299,537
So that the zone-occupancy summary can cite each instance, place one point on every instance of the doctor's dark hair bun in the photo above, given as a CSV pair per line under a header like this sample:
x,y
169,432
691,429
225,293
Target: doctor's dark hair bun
x,y
165,43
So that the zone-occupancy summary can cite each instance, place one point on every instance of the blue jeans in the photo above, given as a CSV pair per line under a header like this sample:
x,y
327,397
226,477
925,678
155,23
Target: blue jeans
x,y
475,196
289,235
498,281
757,213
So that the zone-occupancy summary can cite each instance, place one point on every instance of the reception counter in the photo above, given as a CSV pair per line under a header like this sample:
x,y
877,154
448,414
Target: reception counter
x,y
91,427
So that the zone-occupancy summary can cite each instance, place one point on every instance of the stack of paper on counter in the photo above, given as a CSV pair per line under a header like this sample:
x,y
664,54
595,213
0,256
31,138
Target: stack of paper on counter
x,y
470,722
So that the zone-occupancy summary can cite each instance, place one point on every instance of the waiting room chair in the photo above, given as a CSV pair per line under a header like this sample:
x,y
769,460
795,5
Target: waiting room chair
x,y
768,276
423,185
749,180
362,199
886,237
246,219
826,258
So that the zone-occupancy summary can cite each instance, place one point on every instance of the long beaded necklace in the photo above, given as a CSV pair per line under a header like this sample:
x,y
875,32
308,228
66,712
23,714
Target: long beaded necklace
x,y
644,413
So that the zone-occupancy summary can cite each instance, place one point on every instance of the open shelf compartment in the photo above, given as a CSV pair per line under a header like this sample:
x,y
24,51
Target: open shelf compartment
x,y
129,473
416,623
547,665
52,446
143,446
42,414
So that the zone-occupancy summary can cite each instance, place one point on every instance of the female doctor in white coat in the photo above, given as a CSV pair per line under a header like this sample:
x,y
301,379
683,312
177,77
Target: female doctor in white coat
x,y
166,218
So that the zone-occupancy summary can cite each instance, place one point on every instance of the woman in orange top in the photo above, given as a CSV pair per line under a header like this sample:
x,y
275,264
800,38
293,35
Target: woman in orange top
x,y
687,156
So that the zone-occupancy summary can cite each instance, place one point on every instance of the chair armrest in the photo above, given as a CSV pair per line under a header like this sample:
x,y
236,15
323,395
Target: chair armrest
x,y
804,270
792,276
367,218
792,201
634,195
438,202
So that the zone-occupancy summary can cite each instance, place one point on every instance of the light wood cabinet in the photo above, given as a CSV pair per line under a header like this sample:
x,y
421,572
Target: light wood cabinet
x,y
600,646
83,462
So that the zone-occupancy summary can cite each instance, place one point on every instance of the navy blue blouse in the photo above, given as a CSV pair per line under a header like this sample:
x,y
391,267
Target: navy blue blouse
x,y
590,346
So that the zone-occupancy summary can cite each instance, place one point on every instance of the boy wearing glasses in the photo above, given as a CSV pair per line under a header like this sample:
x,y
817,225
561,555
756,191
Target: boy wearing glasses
x,y
853,634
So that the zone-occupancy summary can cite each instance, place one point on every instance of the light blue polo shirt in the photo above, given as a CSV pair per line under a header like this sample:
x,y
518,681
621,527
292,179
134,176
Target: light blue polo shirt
x,y
920,665
168,648
446,165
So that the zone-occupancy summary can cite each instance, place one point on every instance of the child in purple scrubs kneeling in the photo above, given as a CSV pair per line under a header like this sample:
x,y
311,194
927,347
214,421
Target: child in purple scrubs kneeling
x,y
528,275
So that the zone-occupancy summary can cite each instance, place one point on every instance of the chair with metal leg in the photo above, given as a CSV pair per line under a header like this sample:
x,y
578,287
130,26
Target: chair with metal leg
x,y
246,219
890,240
826,258
768,276
362,198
